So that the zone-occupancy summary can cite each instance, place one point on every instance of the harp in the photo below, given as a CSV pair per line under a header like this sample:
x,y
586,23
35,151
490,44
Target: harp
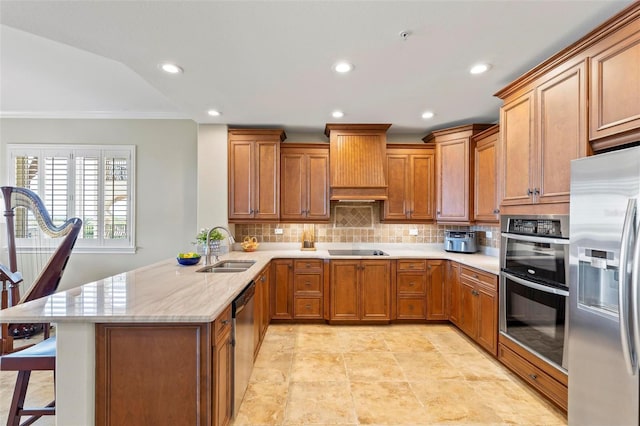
x,y
43,249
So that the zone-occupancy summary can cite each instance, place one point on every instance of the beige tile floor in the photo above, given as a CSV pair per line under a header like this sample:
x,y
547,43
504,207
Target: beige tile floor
x,y
373,375
384,375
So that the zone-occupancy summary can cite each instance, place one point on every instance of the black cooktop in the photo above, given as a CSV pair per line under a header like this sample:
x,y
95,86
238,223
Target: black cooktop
x,y
357,253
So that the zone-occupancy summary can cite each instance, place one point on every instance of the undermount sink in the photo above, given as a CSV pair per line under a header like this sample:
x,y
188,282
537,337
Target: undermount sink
x,y
228,266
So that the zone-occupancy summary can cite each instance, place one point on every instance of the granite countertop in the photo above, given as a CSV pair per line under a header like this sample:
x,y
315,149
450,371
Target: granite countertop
x,y
168,292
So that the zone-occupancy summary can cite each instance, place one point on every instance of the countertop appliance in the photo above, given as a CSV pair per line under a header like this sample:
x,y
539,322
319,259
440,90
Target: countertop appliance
x,y
242,329
461,241
604,335
534,258
357,253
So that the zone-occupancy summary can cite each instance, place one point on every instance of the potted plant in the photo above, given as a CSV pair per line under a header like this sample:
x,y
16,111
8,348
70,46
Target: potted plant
x,y
214,240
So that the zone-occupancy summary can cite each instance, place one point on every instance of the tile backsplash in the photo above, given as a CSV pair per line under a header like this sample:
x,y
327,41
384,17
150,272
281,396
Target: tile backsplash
x,y
349,223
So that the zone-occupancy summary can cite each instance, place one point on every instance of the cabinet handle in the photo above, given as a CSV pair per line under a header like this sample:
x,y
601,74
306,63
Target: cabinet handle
x,y
307,283
263,278
533,376
251,211
529,192
496,211
308,265
428,266
308,307
536,191
224,322
289,266
475,276
438,212
411,284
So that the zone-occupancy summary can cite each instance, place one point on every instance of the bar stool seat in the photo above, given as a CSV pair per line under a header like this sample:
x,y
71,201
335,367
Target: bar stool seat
x,y
41,356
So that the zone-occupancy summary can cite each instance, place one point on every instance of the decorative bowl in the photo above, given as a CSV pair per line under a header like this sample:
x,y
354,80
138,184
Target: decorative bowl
x,y
188,258
249,244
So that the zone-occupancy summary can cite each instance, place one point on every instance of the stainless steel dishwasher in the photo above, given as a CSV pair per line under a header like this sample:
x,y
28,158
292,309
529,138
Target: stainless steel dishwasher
x,y
242,328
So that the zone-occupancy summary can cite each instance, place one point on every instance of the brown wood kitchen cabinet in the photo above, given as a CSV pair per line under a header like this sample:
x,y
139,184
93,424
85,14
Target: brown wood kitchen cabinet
x,y
411,178
282,289
262,308
614,73
360,290
411,289
479,307
197,391
454,291
304,182
486,203
455,172
254,174
308,285
535,167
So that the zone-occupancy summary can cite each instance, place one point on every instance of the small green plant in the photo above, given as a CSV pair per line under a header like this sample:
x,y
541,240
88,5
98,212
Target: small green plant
x,y
201,238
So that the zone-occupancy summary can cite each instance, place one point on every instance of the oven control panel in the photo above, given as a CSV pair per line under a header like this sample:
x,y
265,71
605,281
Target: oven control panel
x,y
555,227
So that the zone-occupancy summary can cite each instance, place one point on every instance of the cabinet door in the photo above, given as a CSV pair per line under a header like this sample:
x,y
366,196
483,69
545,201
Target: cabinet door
x,y
267,180
396,206
516,144
293,201
468,319
257,315
318,186
222,376
241,179
422,187
436,294
344,289
265,319
453,180
486,200
487,319
561,114
282,289
375,290
455,296
615,84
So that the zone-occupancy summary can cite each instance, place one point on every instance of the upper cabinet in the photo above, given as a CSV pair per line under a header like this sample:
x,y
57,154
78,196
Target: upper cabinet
x,y
455,172
411,177
542,130
254,174
614,69
304,182
358,169
485,185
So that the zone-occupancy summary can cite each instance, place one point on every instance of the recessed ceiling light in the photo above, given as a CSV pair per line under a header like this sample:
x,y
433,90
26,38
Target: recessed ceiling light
x,y
214,113
343,67
337,114
479,68
171,68
427,114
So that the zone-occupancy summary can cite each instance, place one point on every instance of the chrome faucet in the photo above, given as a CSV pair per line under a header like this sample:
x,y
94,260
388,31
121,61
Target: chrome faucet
x,y
207,249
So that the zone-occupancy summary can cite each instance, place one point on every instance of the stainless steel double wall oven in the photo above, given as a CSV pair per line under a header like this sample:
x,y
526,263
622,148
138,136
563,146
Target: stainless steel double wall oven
x,y
534,284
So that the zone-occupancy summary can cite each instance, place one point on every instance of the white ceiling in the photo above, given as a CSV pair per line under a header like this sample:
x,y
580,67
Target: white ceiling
x,y
268,63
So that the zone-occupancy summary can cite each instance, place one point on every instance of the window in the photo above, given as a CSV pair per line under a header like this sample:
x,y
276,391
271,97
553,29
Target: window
x,y
94,183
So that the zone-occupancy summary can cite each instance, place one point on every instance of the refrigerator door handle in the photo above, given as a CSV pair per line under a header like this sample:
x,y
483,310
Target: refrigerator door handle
x,y
628,237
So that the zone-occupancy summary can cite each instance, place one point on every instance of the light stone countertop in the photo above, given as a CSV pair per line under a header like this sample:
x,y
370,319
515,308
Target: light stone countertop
x,y
168,292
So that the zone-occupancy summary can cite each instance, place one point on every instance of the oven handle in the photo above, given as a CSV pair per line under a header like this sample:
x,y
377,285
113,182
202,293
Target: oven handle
x,y
534,239
536,286
628,232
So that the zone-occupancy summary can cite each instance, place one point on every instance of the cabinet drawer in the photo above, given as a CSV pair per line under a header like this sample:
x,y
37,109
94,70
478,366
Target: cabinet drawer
x,y
411,308
483,278
411,284
537,378
412,265
307,307
308,284
307,265
222,323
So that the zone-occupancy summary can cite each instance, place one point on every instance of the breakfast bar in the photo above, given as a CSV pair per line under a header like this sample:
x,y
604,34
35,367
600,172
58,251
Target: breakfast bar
x,y
174,300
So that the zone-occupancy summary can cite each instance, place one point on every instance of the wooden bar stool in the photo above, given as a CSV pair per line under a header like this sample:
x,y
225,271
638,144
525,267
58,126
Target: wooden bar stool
x,y
41,356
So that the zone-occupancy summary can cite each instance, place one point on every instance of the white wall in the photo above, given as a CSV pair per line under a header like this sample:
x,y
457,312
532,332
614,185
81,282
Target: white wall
x,y
166,184
212,176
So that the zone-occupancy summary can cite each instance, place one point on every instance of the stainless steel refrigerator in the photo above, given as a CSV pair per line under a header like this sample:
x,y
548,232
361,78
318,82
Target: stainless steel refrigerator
x,y
604,338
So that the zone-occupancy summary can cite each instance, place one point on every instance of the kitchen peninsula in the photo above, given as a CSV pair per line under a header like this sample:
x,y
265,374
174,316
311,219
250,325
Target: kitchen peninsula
x,y
162,309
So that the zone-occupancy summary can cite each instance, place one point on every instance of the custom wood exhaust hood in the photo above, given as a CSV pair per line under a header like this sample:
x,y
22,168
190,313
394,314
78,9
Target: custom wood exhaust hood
x,y
357,161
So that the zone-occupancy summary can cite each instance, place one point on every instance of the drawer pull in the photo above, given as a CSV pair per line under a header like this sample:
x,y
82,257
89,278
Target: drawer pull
x,y
307,283
308,265
224,322
411,284
533,376
308,307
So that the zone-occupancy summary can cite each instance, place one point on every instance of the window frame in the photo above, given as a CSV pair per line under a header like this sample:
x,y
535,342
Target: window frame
x,y
71,151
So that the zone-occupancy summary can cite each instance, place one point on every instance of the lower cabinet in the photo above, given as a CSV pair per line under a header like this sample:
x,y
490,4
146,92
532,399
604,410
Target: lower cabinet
x,y
543,377
140,359
478,302
308,289
454,295
420,290
282,289
360,290
261,308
